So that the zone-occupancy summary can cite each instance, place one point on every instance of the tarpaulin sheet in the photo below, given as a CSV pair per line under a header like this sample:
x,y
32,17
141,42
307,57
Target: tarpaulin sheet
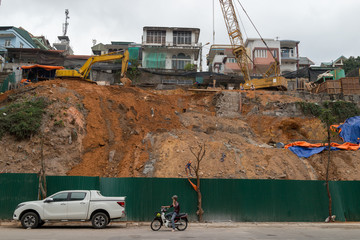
x,y
305,149
350,130
48,68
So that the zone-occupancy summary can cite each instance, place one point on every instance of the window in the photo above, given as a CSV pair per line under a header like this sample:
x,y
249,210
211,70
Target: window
x,y
77,196
231,60
21,45
180,61
158,37
60,197
260,53
182,37
274,52
7,43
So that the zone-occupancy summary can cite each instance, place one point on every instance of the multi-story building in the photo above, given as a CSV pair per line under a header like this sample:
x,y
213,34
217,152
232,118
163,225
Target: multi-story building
x,y
116,46
221,59
289,56
170,48
12,37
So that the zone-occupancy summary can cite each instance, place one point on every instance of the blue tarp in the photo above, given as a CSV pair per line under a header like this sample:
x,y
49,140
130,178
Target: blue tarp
x,y
350,133
350,130
307,152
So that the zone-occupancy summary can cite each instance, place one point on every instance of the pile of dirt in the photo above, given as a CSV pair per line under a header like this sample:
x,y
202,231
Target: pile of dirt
x,y
115,131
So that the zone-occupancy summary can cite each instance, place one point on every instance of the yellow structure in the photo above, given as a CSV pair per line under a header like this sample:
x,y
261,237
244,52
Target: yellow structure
x,y
84,71
241,56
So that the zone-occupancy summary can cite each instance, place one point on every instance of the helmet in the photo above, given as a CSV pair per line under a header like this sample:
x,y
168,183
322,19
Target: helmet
x,y
175,197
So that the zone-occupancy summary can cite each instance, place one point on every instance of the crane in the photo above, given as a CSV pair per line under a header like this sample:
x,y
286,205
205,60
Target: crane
x,y
241,56
84,71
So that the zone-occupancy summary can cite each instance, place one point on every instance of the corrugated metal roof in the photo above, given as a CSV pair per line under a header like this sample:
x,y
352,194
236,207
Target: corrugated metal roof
x,y
26,36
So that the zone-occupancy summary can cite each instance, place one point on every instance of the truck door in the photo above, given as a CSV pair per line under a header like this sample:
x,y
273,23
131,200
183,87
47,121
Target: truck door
x,y
57,209
78,205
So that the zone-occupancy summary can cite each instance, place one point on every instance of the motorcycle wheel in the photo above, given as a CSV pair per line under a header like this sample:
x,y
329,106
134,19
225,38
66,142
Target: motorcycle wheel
x,y
155,225
181,224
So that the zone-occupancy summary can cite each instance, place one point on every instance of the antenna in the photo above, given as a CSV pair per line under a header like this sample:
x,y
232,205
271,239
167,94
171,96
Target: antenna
x,y
66,24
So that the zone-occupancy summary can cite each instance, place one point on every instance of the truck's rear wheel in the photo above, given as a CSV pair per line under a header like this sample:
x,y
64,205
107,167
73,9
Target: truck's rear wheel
x,y
30,220
99,220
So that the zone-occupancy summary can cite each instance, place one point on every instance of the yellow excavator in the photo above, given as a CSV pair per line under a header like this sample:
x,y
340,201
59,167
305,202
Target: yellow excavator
x,y
271,78
84,71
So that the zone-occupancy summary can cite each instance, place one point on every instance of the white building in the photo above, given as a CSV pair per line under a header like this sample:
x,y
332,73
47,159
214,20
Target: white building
x,y
170,48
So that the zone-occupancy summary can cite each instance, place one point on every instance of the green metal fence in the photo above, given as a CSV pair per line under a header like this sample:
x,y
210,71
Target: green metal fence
x,y
4,86
223,199
16,188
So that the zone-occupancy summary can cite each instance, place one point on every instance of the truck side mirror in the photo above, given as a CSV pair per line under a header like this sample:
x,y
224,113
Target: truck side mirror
x,y
48,200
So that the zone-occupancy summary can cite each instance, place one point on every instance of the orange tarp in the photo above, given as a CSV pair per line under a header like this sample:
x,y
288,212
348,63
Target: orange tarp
x,y
48,68
344,146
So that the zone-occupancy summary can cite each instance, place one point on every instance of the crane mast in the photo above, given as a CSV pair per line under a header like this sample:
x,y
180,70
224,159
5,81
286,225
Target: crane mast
x,y
236,39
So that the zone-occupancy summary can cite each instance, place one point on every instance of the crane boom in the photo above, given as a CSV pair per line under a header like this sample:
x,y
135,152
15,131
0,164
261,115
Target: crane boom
x,y
239,51
236,39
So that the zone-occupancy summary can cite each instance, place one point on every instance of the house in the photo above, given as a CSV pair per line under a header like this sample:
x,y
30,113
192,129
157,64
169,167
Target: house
x,y
170,48
305,62
262,57
222,60
338,63
289,56
12,37
116,46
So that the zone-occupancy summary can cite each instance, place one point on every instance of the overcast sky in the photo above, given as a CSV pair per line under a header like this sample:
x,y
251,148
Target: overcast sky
x,y
326,29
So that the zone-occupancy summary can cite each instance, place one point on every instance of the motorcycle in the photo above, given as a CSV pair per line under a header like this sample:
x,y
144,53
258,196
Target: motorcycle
x,y
181,221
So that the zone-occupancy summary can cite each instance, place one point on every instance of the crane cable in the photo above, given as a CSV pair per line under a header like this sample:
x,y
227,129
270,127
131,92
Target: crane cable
x,y
242,24
262,39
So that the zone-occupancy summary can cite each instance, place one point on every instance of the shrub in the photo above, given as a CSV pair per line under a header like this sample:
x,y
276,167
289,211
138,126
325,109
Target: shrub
x,y
22,119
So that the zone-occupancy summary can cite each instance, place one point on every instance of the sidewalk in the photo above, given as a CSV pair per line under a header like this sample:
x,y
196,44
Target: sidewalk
x,y
120,224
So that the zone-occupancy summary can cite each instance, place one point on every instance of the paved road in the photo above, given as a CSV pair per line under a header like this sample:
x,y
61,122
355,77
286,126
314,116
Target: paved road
x,y
117,231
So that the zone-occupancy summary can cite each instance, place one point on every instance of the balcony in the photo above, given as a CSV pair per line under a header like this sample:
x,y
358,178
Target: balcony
x,y
288,56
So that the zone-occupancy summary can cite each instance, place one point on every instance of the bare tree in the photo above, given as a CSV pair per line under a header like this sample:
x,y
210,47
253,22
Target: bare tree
x,y
199,153
42,175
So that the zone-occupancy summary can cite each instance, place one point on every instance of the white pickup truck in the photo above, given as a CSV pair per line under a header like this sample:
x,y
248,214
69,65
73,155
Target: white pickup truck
x,y
77,205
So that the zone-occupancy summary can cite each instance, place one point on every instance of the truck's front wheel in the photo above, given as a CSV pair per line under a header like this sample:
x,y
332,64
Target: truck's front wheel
x,y
30,220
99,220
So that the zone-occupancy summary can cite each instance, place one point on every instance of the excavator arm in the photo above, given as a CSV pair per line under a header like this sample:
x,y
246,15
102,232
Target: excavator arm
x,y
85,69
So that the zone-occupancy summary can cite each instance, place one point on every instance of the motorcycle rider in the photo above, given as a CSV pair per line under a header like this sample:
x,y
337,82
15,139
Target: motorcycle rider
x,y
175,204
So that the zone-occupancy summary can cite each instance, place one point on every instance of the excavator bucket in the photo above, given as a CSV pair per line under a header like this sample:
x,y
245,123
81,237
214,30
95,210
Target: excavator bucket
x,y
126,81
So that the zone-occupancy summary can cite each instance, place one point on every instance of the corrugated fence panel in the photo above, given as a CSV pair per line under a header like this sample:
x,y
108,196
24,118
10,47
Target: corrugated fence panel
x,y
264,200
145,196
346,200
223,199
14,189
61,183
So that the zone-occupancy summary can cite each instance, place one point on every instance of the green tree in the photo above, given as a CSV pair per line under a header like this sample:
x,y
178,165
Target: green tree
x,y
190,67
351,64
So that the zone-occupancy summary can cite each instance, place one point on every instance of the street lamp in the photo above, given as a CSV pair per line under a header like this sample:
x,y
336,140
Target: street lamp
x,y
201,47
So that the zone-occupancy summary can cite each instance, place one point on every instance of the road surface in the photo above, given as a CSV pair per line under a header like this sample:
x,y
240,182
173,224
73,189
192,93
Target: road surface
x,y
123,231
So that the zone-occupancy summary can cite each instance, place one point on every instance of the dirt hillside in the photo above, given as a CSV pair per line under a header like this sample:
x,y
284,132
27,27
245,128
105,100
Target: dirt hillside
x,y
114,131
